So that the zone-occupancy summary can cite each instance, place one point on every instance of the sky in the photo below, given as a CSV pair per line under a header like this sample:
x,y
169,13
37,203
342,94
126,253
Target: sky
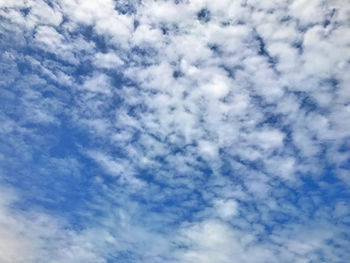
x,y
174,131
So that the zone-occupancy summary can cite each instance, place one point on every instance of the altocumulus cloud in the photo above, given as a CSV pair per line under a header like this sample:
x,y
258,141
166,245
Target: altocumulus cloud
x,y
174,131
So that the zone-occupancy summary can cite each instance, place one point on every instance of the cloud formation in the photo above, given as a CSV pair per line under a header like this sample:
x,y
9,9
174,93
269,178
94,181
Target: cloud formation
x,y
174,131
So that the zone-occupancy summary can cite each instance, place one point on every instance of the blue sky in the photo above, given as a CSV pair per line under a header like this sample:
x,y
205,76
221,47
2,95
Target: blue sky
x,y
174,131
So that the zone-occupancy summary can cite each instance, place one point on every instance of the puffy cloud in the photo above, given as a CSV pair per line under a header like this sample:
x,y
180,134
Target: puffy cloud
x,y
174,131
98,83
108,60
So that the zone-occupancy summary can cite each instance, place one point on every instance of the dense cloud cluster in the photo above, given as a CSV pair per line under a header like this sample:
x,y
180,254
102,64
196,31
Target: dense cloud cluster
x,y
174,131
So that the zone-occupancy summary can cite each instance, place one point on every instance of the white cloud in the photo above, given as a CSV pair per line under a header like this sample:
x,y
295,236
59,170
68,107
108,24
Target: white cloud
x,y
108,60
218,87
308,12
213,241
49,37
33,236
98,83
226,209
103,16
46,14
